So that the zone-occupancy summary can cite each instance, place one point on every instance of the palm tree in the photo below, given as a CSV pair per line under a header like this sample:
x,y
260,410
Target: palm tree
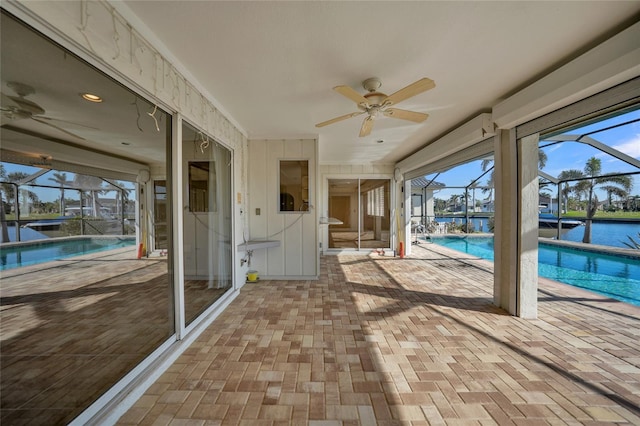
x,y
61,179
93,184
123,198
567,189
473,187
454,200
487,163
10,188
612,183
439,205
3,218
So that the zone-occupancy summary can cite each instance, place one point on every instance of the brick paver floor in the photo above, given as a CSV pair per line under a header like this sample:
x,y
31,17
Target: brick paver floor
x,y
381,340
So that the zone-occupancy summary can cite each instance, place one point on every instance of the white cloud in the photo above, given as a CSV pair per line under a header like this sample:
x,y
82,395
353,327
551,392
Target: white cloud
x,y
631,147
553,148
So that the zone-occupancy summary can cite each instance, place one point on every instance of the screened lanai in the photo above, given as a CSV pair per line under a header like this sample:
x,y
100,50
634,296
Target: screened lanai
x,y
40,202
203,136
586,174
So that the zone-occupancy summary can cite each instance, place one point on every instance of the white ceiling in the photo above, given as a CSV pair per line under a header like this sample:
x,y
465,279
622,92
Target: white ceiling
x,y
119,126
272,67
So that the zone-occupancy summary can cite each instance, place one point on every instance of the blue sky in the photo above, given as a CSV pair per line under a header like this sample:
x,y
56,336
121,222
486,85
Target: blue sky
x,y
569,155
46,194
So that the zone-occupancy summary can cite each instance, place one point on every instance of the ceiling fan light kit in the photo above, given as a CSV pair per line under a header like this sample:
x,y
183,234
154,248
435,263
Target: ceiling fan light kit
x,y
374,103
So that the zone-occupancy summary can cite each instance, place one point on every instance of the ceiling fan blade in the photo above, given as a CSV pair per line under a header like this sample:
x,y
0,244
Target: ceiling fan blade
x,y
342,117
42,117
26,105
7,102
416,117
58,128
413,89
352,94
367,125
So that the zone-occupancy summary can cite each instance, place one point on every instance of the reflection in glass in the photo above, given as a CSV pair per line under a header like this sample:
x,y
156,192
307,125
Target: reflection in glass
x,y
207,222
361,212
160,214
375,212
71,329
294,185
201,192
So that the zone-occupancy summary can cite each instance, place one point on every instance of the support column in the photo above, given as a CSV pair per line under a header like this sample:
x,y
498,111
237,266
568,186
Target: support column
x,y
430,211
405,216
505,228
528,230
516,224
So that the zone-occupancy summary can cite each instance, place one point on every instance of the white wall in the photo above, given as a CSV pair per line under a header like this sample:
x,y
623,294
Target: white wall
x,y
297,256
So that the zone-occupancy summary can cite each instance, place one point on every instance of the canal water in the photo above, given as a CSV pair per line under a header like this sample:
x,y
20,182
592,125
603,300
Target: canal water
x,y
609,233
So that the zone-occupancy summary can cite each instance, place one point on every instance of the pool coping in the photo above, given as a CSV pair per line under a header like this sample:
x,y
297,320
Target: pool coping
x,y
595,248
37,267
69,238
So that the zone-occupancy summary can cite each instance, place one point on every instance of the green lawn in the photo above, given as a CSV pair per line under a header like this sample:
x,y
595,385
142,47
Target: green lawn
x,y
581,214
35,216
605,215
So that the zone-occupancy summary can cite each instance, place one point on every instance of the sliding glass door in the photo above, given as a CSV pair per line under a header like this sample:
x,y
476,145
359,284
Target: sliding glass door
x,y
360,213
207,251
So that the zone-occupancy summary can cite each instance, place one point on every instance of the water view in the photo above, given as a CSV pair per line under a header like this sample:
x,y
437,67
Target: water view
x,y
610,233
617,277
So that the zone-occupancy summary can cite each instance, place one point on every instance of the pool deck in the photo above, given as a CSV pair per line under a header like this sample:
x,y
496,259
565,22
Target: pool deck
x,y
414,341
69,329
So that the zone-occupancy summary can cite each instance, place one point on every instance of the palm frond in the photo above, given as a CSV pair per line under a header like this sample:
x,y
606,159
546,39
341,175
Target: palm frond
x,y
633,244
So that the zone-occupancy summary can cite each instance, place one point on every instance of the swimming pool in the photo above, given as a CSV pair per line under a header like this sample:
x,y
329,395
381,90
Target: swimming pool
x,y
613,276
23,254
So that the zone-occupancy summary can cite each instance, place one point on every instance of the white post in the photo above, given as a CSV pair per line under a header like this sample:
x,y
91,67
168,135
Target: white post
x,y
528,189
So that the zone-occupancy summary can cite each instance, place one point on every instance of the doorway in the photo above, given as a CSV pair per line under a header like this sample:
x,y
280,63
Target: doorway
x,y
361,208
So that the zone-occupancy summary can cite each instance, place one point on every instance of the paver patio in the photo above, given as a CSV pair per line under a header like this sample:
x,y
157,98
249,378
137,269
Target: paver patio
x,y
381,340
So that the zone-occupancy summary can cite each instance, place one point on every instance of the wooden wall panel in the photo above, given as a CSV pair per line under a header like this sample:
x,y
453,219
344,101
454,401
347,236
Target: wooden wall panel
x,y
310,258
297,256
275,220
257,199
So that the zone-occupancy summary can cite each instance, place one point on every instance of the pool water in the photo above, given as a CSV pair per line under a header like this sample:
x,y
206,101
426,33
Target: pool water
x,y
16,256
617,277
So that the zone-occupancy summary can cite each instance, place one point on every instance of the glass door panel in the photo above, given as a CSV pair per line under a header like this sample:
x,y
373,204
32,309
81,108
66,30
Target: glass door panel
x,y
206,222
375,212
360,212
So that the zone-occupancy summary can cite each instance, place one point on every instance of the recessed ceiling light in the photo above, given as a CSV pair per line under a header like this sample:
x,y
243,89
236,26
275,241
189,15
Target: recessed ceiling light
x,y
91,97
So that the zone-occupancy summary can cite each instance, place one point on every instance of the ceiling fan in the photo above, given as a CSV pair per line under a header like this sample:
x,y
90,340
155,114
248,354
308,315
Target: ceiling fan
x,y
375,103
20,108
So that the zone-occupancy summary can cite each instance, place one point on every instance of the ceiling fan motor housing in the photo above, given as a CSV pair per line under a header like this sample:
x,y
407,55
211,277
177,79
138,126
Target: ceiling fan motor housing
x,y
372,84
375,98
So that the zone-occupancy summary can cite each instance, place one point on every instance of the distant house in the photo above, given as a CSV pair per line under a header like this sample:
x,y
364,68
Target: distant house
x,y
422,201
